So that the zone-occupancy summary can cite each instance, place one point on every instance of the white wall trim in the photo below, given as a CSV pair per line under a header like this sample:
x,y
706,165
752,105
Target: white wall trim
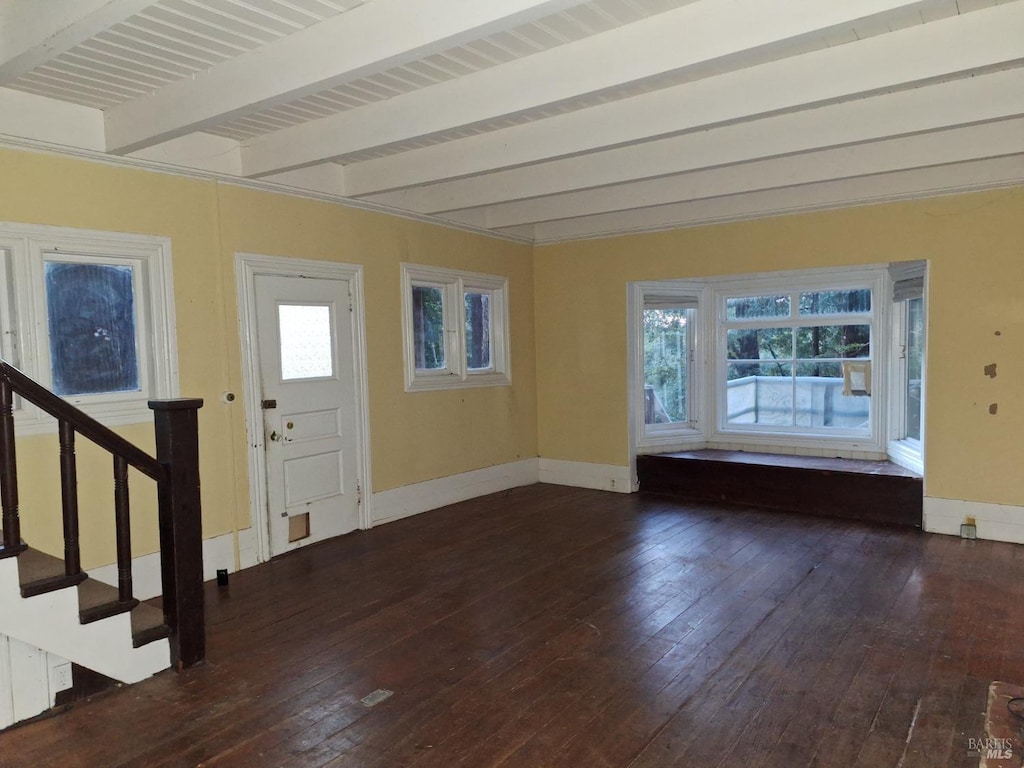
x,y
29,246
581,474
408,500
997,522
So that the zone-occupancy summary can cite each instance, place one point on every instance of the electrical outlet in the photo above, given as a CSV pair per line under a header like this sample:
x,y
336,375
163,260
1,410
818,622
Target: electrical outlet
x,y
60,677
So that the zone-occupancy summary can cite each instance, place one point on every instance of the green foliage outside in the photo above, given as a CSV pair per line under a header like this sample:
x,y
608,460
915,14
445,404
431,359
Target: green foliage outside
x,y
807,343
665,356
428,326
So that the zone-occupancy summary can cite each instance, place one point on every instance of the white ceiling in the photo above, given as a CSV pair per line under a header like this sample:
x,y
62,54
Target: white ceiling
x,y
539,120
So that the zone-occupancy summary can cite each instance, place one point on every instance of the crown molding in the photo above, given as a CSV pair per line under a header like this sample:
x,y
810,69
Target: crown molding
x,y
43,147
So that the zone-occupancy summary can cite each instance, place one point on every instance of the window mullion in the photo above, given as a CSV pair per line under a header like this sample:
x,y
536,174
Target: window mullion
x,y
456,330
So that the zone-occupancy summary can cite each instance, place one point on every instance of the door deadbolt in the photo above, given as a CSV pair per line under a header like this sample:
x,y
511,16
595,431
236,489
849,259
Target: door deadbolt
x,y
289,425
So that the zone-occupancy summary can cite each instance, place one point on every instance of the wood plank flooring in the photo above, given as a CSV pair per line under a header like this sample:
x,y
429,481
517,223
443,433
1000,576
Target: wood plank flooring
x,y
551,626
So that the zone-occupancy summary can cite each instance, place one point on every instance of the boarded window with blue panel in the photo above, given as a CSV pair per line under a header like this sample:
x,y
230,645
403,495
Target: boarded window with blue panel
x,y
91,314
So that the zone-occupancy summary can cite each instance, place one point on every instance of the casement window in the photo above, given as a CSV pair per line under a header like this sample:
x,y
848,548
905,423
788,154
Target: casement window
x,y
455,328
667,371
906,432
90,316
797,360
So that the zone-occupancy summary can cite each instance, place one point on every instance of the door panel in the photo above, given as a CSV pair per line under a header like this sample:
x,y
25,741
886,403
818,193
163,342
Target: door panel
x,y
311,478
304,331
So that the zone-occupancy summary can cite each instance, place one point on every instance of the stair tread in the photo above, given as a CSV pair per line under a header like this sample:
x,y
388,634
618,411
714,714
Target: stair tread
x,y
34,565
92,593
146,617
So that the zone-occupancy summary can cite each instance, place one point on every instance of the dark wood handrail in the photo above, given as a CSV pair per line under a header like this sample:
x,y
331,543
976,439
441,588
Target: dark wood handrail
x,y
83,424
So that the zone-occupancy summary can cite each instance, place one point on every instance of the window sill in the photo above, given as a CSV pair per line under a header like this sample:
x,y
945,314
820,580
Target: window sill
x,y
907,454
683,438
34,422
831,445
453,381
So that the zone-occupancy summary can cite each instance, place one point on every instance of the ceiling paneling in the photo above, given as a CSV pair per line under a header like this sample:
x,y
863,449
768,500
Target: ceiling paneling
x,y
545,119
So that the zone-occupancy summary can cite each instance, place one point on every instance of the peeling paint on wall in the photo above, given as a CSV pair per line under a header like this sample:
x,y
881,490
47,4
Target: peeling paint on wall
x,y
990,370
993,408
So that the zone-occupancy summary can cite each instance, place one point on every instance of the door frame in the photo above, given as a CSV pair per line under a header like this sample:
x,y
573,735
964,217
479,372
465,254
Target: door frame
x,y
247,267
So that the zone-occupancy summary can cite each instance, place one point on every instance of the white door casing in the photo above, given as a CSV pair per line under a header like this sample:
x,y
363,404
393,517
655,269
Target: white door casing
x,y
310,453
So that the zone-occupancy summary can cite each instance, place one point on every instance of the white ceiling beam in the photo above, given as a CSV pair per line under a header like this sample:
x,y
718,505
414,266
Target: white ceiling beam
x,y
47,120
367,39
976,142
917,183
993,96
971,42
33,33
685,39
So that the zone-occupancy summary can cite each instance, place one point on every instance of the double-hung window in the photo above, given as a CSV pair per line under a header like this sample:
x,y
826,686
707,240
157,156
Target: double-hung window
x,y
90,316
908,358
797,361
454,328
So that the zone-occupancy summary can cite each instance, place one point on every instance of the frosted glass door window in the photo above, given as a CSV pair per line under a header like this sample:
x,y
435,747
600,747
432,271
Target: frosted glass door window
x,y
90,310
307,344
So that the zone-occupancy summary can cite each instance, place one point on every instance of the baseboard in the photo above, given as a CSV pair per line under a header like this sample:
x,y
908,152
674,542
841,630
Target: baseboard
x,y
408,500
997,522
581,474
218,554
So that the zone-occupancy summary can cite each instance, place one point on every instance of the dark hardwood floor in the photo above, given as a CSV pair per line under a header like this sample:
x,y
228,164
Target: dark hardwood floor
x,y
551,626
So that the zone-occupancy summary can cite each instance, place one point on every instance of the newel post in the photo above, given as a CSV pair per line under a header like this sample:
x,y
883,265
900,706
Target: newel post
x,y
181,530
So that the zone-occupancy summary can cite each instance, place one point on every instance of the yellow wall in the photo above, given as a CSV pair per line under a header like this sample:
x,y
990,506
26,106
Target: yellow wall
x,y
975,247
568,315
414,437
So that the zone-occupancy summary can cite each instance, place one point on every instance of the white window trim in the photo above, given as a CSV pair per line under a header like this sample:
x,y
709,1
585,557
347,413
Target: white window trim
x,y
871,440
903,450
23,308
456,375
666,437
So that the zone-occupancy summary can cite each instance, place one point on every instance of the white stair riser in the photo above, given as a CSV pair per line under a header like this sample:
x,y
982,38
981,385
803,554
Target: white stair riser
x,y
50,622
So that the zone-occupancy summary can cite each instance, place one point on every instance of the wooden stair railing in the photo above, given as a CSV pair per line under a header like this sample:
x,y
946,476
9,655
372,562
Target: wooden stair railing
x,y
176,472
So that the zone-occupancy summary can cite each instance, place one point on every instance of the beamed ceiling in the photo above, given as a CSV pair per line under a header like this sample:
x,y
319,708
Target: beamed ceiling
x,y
541,120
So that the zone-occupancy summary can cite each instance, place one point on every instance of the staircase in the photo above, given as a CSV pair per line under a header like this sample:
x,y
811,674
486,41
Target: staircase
x,y
83,623
49,603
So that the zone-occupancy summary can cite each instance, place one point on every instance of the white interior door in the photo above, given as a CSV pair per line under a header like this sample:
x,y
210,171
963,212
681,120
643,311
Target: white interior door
x,y
304,332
